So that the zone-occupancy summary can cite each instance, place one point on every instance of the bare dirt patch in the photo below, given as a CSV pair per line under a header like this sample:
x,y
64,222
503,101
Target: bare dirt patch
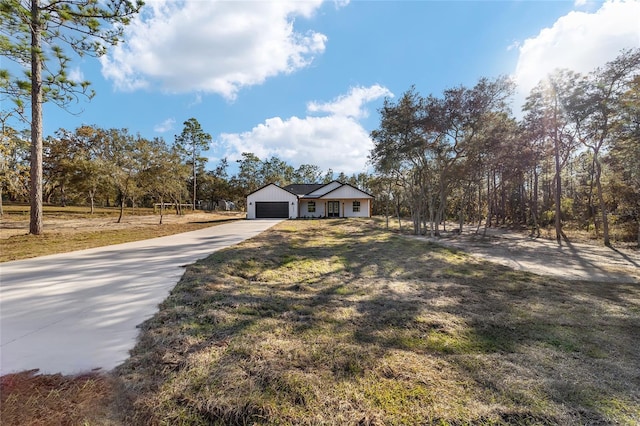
x,y
582,261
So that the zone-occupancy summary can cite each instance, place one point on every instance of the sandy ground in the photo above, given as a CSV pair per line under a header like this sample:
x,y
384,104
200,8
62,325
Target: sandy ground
x,y
10,226
569,260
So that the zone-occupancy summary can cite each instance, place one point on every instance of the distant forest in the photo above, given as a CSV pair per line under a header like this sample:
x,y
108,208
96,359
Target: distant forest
x,y
573,157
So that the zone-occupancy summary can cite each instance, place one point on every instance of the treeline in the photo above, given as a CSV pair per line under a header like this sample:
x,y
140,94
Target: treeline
x,y
111,167
461,156
575,154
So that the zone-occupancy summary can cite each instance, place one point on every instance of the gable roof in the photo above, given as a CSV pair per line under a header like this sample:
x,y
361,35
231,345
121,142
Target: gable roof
x,y
341,187
272,184
313,190
302,188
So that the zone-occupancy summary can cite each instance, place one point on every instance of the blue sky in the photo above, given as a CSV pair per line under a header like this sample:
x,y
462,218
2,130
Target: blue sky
x,y
303,79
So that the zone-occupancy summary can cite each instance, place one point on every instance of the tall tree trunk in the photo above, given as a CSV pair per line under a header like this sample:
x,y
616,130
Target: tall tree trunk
x,y
442,201
386,212
35,194
556,146
479,207
603,207
194,179
592,209
487,223
534,207
398,213
122,197
92,197
63,195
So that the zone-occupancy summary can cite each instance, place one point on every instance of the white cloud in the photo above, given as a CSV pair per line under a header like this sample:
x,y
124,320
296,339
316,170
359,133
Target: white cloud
x,y
76,75
197,100
580,41
514,45
212,46
165,126
337,140
350,105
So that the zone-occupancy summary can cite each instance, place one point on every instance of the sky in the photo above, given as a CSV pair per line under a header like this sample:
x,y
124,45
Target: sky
x,y
303,80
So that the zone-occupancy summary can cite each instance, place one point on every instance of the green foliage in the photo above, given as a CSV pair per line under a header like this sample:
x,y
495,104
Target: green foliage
x,y
428,145
62,27
462,156
190,144
37,37
14,165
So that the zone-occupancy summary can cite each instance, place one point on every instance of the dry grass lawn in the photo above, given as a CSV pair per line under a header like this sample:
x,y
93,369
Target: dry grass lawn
x,y
340,322
73,228
44,400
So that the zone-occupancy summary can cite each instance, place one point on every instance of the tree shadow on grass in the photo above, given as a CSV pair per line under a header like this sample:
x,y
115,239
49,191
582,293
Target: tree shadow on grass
x,y
249,336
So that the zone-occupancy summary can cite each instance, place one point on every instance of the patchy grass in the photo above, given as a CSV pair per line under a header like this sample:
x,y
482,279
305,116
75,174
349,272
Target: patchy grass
x,y
21,212
27,246
340,322
73,228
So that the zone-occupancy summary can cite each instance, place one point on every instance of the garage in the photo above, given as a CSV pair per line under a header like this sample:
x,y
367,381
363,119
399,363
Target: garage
x,y
272,209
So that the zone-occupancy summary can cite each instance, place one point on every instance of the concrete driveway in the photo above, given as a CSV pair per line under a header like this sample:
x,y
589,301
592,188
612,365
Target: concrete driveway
x,y
74,312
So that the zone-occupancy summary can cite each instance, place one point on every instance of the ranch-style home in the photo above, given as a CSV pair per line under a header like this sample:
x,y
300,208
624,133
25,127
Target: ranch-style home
x,y
334,199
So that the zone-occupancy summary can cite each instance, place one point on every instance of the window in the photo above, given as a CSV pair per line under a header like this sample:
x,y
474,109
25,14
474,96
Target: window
x,y
311,207
356,206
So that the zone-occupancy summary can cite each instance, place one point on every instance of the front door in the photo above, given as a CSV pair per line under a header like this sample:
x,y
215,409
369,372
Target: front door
x,y
333,208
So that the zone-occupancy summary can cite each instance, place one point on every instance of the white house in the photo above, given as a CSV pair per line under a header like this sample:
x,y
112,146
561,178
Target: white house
x,y
334,199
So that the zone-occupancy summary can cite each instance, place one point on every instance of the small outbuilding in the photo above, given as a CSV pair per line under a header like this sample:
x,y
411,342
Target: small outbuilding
x,y
334,199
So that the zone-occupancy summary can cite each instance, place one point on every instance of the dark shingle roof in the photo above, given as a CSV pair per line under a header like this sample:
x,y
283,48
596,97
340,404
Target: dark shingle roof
x,y
303,188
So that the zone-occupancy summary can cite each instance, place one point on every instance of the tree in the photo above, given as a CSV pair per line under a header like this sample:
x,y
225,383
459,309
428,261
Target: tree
x,y
307,173
422,143
624,157
89,165
162,173
400,154
328,176
14,155
58,155
595,111
123,159
249,176
548,110
190,144
275,170
38,35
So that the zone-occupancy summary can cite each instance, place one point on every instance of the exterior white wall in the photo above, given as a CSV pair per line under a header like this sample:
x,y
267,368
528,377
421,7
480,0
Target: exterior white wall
x,y
346,195
346,192
347,208
272,193
323,190
320,208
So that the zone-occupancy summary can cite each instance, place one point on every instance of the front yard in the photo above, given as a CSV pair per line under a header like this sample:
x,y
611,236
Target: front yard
x,y
341,322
